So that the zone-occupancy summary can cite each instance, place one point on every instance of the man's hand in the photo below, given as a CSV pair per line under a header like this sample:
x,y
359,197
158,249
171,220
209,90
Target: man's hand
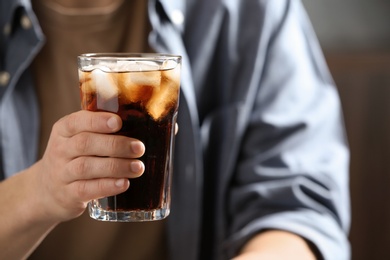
x,y
85,161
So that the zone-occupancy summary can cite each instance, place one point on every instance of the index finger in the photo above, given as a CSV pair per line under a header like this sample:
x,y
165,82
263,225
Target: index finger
x,y
87,121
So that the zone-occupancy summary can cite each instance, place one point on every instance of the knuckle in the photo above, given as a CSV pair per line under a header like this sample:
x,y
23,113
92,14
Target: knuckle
x,y
101,186
79,168
76,122
111,142
70,123
113,166
56,147
82,189
82,143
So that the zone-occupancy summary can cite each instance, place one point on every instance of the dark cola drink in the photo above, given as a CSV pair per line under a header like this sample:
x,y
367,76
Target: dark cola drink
x,y
145,95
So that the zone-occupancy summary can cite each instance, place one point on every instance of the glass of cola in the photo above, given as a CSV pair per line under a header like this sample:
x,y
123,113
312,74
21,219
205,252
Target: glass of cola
x,y
143,89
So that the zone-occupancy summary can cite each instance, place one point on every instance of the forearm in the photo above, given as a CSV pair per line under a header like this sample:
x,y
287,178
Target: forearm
x,y
276,244
22,227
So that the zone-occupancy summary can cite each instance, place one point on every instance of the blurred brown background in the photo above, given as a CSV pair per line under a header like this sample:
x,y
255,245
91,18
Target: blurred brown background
x,y
355,36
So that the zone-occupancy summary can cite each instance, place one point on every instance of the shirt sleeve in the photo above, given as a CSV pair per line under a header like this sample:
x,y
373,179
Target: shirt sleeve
x,y
293,169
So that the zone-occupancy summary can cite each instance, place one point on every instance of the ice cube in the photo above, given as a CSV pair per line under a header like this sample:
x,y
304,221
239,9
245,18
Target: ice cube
x,y
139,86
149,78
172,74
105,84
87,68
163,99
133,93
133,65
86,84
105,67
169,64
126,66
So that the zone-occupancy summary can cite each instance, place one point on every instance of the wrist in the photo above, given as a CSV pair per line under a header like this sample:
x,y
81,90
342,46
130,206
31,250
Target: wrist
x,y
28,199
22,222
276,244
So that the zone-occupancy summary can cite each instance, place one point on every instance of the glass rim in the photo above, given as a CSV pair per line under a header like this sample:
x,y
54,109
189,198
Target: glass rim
x,y
128,56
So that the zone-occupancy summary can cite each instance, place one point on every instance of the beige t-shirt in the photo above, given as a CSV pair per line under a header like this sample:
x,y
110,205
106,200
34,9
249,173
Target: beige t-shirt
x,y
121,26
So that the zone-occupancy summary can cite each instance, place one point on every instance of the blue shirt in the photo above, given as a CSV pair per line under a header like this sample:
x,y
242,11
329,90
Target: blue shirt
x,y
261,143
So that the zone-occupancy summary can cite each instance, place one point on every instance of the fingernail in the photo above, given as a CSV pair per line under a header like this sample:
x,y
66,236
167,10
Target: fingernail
x,y
137,147
136,167
113,123
120,183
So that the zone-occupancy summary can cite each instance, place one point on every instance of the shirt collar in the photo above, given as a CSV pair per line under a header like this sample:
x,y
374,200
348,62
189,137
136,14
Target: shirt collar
x,y
8,9
174,10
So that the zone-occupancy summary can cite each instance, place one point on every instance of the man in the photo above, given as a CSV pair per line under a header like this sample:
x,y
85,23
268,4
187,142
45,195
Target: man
x,y
261,160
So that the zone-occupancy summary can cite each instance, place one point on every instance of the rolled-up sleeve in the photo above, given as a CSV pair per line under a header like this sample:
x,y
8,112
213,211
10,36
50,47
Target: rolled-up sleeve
x,y
294,160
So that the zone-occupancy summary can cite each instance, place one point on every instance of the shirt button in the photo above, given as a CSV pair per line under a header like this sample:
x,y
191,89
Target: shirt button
x,y
177,17
4,78
7,29
25,22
